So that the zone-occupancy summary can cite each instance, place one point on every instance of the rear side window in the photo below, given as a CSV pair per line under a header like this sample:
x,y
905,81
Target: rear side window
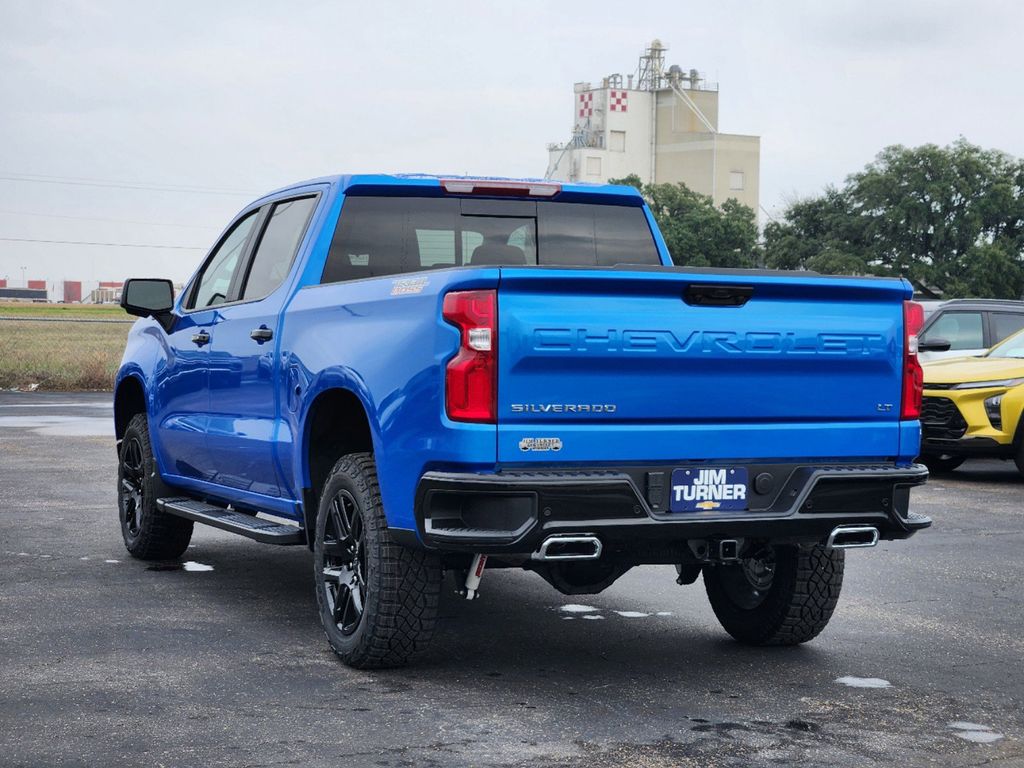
x,y
1005,324
392,235
280,240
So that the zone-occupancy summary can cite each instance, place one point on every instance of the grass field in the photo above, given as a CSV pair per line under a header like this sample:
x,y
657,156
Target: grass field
x,y
31,309
60,354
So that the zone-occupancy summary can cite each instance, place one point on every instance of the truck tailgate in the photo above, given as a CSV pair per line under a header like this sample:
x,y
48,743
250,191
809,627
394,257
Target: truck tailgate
x,y
658,364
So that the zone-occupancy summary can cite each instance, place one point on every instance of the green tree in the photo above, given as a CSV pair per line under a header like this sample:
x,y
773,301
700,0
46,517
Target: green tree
x,y
948,218
817,234
697,232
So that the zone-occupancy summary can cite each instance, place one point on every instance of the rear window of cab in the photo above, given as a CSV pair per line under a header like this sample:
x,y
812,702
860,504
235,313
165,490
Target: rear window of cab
x,y
378,236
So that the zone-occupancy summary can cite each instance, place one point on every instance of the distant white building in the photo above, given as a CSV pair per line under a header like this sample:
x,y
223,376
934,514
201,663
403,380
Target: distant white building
x,y
661,125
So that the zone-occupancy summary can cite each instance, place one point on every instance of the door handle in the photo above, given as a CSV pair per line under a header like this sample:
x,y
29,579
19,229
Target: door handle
x,y
261,334
200,339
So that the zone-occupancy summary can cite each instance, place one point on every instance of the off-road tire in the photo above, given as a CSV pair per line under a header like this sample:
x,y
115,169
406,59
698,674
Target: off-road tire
x,y
149,533
402,585
796,607
940,464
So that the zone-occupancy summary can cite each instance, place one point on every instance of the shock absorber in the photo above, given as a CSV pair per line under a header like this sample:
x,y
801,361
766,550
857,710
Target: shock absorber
x,y
476,571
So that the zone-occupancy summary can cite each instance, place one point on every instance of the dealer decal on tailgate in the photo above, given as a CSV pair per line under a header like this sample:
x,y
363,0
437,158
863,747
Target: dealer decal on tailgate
x,y
708,489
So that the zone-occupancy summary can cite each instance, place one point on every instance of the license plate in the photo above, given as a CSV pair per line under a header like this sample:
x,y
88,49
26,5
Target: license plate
x,y
708,489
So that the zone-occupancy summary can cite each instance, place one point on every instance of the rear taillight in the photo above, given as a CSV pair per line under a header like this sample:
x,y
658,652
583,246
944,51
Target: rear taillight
x,y
913,376
471,380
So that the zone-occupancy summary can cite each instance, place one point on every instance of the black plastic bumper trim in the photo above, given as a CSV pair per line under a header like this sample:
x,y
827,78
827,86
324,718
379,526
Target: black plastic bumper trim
x,y
970,446
621,510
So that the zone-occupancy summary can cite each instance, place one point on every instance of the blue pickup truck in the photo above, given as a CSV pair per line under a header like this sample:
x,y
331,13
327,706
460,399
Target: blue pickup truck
x,y
417,376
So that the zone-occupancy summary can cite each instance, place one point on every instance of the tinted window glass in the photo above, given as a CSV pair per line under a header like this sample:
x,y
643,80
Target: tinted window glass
x,y
594,235
1011,347
215,280
623,236
961,329
285,228
385,236
493,240
436,247
1005,324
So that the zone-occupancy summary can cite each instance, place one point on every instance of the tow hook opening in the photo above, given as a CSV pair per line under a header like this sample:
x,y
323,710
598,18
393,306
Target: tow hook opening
x,y
853,537
581,547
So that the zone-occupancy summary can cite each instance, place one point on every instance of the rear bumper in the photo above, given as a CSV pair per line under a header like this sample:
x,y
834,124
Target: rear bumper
x,y
967,446
512,512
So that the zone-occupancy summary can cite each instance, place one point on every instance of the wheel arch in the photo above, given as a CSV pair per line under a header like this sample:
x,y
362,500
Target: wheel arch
x,y
337,423
1016,401
129,400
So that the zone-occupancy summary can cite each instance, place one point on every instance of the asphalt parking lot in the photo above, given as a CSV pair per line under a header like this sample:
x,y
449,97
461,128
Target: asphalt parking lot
x,y
109,661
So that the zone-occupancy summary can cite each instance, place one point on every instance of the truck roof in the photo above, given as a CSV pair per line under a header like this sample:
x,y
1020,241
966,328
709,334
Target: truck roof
x,y
431,185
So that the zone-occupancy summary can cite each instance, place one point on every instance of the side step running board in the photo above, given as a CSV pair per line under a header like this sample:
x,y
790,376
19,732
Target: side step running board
x,y
235,522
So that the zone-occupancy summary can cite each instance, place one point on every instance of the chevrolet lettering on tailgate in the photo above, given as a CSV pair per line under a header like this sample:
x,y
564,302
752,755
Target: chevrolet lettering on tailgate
x,y
706,342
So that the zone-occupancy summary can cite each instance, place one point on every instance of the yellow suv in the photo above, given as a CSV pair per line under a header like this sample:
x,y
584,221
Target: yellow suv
x,y
972,407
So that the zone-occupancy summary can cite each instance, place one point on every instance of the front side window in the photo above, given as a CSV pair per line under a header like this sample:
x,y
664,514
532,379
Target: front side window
x,y
285,228
215,280
1011,347
963,330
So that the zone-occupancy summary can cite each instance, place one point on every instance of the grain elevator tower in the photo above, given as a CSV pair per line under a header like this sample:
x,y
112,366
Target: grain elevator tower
x,y
660,123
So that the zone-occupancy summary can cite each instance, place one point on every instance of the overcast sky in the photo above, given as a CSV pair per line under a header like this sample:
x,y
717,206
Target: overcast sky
x,y
245,97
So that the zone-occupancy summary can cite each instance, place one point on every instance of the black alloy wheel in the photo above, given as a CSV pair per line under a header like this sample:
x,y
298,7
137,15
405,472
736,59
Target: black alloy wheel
x,y
149,533
781,595
132,494
344,567
748,583
377,598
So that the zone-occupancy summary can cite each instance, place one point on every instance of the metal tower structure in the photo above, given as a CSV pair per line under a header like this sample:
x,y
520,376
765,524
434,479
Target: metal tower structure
x,y
650,72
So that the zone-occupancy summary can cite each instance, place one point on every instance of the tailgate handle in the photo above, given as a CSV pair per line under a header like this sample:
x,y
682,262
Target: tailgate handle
x,y
698,295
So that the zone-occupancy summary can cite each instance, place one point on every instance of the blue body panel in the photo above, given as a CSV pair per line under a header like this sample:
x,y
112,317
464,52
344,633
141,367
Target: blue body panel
x,y
229,421
391,352
807,368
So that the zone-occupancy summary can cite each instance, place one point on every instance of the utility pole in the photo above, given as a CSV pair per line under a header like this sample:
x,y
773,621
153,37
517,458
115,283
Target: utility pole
x,y
24,282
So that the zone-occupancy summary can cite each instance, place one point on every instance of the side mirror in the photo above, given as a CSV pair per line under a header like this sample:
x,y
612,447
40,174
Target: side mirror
x,y
147,297
934,345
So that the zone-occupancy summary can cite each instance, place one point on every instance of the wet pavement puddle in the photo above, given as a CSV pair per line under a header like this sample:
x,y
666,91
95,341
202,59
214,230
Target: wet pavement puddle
x,y
863,682
189,565
61,426
979,734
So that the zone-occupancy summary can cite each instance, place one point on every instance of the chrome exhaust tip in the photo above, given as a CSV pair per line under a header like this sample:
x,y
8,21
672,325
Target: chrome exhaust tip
x,y
852,537
569,547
